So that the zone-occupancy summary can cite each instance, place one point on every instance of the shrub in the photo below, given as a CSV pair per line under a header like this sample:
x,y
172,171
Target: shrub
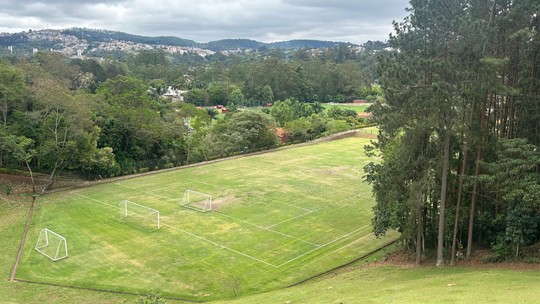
x,y
6,188
152,298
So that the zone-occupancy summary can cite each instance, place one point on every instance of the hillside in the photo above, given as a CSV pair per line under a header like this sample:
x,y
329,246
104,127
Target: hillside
x,y
96,42
375,283
93,36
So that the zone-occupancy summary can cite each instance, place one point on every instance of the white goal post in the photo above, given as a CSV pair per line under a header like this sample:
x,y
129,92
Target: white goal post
x,y
139,210
52,245
196,200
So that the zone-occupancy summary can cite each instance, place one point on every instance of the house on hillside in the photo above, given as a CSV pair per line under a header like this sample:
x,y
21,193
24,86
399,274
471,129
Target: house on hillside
x,y
174,94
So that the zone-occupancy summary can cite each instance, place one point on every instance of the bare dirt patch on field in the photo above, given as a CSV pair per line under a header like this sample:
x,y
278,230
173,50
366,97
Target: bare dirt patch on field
x,y
336,170
366,135
223,201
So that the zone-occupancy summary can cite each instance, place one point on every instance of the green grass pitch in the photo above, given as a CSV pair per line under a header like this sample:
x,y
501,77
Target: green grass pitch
x,y
360,108
279,218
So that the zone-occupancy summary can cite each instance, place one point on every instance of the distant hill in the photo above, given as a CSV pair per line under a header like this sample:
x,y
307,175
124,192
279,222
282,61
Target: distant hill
x,y
97,42
303,43
92,35
11,39
97,35
231,44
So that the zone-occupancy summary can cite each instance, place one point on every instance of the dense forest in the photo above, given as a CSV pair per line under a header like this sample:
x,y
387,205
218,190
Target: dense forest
x,y
460,130
97,118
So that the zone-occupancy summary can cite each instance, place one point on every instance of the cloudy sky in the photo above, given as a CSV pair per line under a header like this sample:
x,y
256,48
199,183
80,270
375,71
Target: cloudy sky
x,y
203,20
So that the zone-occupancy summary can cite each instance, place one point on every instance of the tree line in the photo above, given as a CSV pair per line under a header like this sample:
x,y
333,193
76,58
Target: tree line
x,y
107,118
460,129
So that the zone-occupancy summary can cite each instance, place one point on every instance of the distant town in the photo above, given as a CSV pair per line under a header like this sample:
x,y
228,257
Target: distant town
x,y
90,42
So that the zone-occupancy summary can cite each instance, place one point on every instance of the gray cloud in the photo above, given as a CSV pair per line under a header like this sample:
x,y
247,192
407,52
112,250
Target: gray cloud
x,y
203,20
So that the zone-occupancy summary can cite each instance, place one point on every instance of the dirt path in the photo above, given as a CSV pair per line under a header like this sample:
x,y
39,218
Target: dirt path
x,y
23,240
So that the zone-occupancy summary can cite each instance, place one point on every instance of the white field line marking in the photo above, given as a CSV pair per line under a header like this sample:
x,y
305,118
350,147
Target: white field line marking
x,y
220,245
285,204
260,227
191,234
170,185
324,245
345,246
98,201
267,229
236,219
207,184
301,208
146,192
292,218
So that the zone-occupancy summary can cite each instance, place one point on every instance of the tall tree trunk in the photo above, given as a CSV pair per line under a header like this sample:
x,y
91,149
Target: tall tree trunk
x,y
444,182
460,186
420,229
475,185
458,205
31,176
473,201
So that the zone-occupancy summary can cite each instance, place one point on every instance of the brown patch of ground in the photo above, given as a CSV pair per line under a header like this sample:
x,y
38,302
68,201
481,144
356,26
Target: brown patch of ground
x,y
39,181
222,201
405,259
17,187
335,170
365,135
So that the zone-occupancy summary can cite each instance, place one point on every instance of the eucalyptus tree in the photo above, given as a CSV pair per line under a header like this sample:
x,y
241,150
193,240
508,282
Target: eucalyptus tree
x,y
20,149
131,121
11,89
66,135
423,79
461,73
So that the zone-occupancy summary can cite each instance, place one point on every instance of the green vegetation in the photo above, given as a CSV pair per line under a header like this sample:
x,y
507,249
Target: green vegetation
x,y
356,108
280,218
116,117
13,213
375,284
391,284
460,129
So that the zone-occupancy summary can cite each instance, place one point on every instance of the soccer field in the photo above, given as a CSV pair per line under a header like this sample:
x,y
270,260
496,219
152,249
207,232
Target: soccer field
x,y
277,218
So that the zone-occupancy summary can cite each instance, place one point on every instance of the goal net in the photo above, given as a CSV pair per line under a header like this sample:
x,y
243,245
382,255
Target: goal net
x,y
197,201
140,213
51,245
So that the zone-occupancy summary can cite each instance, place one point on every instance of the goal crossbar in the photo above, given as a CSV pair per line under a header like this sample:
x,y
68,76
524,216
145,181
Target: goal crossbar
x,y
43,242
126,203
204,204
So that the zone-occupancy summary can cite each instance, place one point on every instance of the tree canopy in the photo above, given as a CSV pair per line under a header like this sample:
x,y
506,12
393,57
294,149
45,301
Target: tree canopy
x,y
459,82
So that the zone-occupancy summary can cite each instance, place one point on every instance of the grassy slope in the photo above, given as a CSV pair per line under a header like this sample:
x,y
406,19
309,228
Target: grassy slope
x,y
391,284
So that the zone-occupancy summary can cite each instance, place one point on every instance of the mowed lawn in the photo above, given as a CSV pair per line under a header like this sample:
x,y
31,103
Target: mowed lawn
x,y
410,285
360,108
279,218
